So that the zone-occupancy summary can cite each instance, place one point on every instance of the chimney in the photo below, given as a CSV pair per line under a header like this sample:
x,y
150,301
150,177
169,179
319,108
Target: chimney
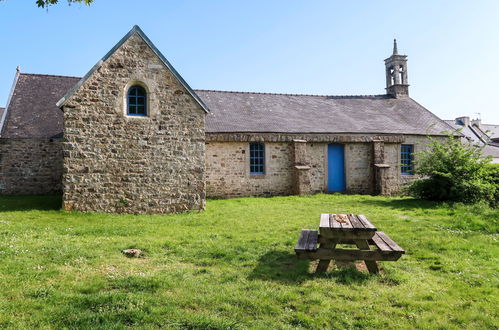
x,y
465,121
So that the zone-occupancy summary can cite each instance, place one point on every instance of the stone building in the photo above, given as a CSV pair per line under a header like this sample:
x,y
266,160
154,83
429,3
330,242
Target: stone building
x,y
131,136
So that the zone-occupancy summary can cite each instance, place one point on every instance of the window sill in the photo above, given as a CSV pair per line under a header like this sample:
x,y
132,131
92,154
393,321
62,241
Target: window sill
x,y
257,176
136,116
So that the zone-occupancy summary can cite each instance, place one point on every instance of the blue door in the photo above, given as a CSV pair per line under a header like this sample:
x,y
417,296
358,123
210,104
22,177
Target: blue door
x,y
335,167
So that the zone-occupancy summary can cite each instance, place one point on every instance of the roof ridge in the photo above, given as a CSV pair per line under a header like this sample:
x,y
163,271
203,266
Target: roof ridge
x,y
297,94
47,75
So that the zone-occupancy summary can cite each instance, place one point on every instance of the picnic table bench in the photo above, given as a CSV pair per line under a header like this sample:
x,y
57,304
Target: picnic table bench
x,y
352,229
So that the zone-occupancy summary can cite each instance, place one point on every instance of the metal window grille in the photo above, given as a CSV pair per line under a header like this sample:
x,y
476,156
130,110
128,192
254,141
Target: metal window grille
x,y
257,158
407,159
137,101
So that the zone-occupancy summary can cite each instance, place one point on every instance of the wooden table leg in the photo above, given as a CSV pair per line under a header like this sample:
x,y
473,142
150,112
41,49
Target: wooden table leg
x,y
372,266
324,264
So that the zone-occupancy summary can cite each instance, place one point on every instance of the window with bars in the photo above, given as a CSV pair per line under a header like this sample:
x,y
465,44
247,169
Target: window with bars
x,y
257,158
137,101
407,159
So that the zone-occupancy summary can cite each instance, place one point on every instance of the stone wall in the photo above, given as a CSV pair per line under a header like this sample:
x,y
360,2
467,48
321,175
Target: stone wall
x,y
316,153
129,164
395,179
227,165
30,166
228,175
359,168
227,169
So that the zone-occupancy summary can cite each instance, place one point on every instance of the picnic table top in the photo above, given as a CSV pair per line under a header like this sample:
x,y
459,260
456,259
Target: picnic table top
x,y
345,222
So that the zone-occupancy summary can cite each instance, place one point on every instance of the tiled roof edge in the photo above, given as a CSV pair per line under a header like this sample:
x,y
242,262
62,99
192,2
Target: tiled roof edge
x,y
9,99
320,133
48,75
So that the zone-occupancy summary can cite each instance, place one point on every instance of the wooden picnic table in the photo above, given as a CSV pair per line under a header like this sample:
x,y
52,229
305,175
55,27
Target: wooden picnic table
x,y
354,229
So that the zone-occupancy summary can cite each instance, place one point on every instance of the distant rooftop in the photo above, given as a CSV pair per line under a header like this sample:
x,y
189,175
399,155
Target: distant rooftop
x,y
478,134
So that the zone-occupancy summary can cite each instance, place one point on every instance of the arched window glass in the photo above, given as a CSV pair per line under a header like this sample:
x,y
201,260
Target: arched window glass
x,y
137,101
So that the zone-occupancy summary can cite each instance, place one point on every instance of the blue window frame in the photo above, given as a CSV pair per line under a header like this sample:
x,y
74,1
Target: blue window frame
x,y
257,158
137,101
407,159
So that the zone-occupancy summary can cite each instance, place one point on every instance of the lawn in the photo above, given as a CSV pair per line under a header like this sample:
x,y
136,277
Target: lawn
x,y
233,266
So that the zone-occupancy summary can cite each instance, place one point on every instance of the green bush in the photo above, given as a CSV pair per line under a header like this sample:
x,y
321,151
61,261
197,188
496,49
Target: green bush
x,y
492,176
452,171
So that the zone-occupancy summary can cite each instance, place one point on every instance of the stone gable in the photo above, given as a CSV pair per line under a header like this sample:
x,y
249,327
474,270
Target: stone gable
x,y
124,164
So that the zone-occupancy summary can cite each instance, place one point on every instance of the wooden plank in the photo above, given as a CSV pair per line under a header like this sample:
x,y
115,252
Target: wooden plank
x,y
313,237
380,244
345,225
323,240
372,266
323,264
368,225
334,224
347,234
301,245
356,223
351,255
394,246
324,223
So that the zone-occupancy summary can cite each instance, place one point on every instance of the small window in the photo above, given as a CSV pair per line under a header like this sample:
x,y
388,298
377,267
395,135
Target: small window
x,y
257,158
407,159
137,101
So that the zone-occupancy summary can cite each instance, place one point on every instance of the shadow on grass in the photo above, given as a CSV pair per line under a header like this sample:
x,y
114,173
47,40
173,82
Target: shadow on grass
x,y
283,266
348,275
10,203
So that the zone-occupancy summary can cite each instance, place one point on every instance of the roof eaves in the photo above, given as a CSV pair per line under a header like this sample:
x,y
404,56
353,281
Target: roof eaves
x,y
477,134
9,99
323,133
135,29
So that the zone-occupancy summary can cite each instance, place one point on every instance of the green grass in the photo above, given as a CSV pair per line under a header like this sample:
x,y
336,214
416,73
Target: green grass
x,y
233,266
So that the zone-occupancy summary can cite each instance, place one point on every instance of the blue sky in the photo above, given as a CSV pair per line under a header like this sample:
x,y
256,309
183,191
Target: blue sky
x,y
316,47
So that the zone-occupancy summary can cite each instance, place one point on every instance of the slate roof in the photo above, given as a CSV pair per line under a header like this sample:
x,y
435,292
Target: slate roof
x,y
1,112
490,130
477,136
290,113
466,130
32,112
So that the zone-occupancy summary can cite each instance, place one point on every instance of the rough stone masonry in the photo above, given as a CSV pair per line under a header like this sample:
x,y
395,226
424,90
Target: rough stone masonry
x,y
192,144
123,164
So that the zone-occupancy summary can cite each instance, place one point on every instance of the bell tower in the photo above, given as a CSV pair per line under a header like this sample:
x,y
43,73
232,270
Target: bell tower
x,y
396,74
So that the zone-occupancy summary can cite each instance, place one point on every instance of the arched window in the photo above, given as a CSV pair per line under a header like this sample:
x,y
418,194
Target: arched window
x,y
137,101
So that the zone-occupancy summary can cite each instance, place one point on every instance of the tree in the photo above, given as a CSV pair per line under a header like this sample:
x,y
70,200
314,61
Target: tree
x,y
452,171
46,3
